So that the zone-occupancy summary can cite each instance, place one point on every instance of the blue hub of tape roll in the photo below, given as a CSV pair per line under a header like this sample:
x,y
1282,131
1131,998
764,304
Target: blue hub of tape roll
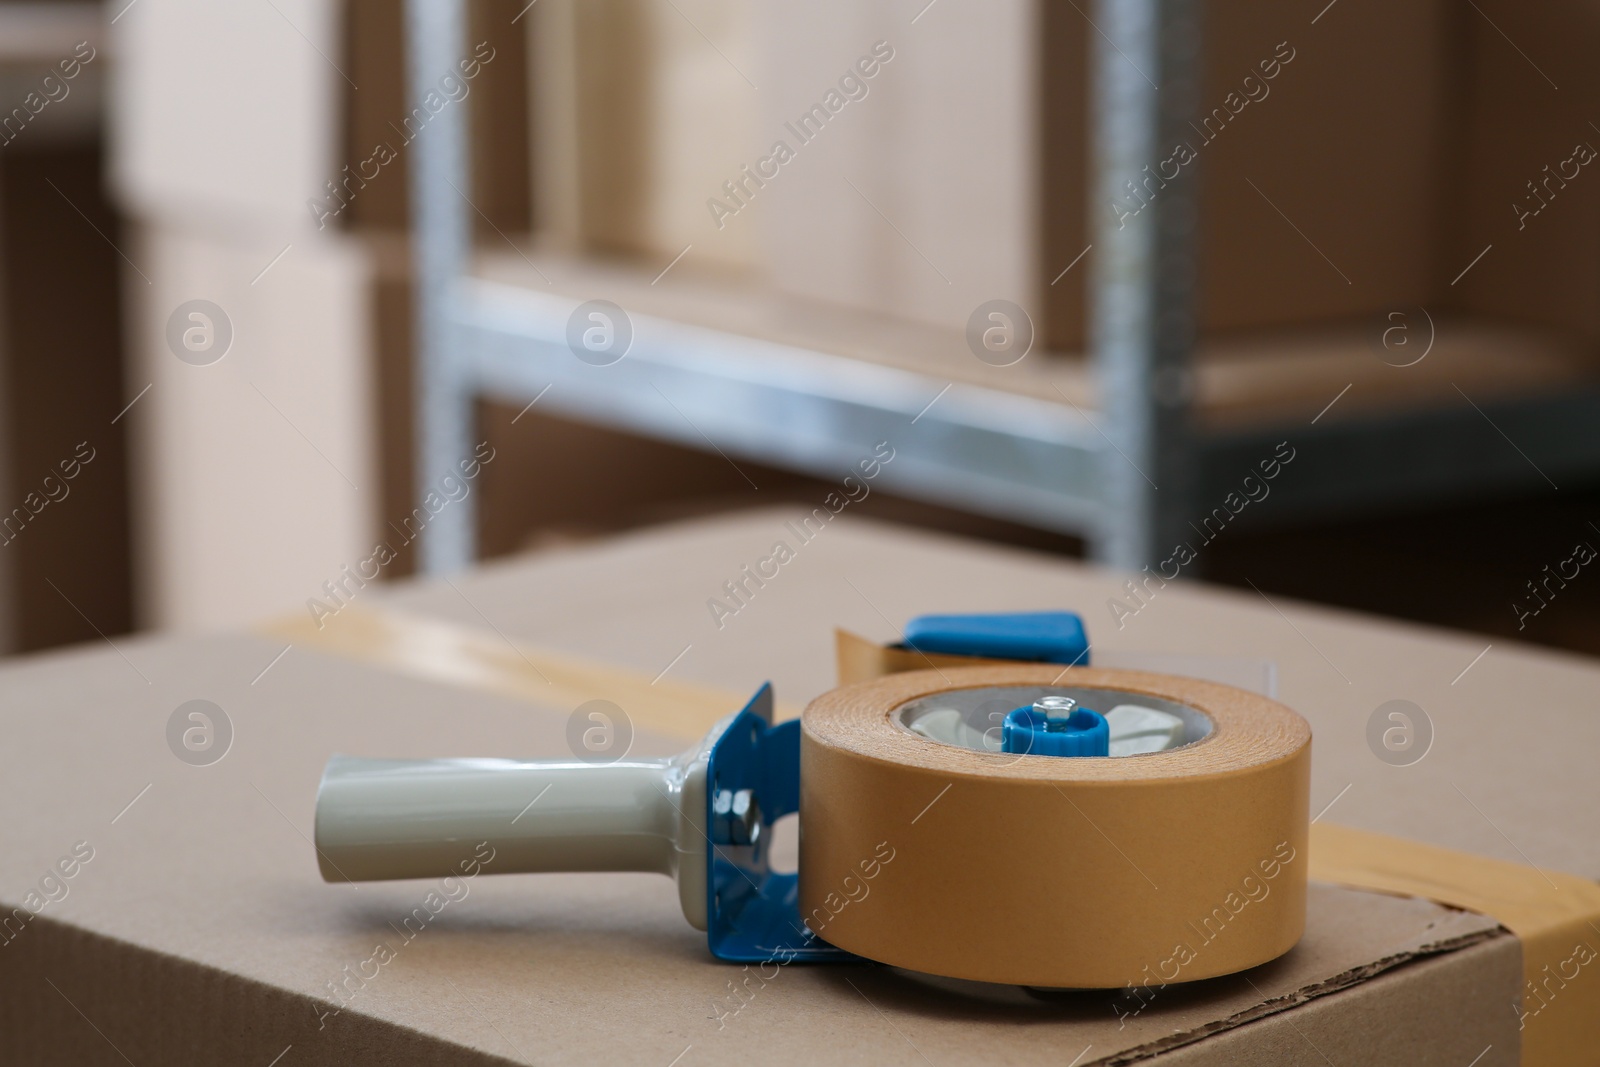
x,y
1027,731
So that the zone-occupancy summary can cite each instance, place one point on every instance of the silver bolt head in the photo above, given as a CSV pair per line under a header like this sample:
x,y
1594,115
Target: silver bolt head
x,y
1054,707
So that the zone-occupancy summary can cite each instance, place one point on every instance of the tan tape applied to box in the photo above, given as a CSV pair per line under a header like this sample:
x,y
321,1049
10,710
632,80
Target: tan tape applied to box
x,y
1556,916
438,651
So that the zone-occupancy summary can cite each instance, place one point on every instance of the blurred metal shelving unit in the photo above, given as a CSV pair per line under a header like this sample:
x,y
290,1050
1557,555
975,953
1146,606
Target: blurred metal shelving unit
x,y
1003,453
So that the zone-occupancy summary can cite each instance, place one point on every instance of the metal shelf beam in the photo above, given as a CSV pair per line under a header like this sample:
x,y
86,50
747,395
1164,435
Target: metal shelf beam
x,y
985,450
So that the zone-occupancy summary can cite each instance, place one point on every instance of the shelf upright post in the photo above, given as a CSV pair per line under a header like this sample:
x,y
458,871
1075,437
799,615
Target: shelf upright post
x,y
441,243
1144,62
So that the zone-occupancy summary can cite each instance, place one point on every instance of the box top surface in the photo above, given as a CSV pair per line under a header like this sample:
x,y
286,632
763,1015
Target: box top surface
x,y
213,865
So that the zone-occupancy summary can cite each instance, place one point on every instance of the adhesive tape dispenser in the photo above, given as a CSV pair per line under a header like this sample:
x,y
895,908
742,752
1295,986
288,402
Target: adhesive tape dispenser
x,y
978,820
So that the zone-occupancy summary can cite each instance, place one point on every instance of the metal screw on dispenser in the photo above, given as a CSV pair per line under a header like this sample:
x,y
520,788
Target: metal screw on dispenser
x,y
736,817
1055,707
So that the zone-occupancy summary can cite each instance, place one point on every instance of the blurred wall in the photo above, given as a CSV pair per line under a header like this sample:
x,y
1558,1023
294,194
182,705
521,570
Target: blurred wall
x,y
917,195
255,476
64,566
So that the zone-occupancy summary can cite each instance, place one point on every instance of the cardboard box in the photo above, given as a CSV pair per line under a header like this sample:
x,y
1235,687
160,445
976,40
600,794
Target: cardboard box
x,y
199,929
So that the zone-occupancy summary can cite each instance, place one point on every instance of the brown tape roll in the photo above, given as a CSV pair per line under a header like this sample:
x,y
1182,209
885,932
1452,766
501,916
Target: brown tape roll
x,y
1049,871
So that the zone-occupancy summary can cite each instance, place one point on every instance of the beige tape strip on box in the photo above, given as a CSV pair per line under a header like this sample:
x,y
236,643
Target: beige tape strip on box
x,y
444,652
1555,916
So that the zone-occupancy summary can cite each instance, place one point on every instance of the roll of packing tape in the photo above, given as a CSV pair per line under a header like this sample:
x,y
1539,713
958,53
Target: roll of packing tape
x,y
1075,872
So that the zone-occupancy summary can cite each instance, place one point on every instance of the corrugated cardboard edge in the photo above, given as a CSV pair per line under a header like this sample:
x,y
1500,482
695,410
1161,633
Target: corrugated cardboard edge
x,y
1273,1005
1399,1013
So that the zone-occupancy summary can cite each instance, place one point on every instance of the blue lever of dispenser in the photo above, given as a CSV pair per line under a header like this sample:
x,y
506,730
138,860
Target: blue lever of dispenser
x,y
1040,636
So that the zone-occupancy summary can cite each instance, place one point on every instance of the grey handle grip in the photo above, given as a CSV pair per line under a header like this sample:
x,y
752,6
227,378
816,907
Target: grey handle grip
x,y
382,819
